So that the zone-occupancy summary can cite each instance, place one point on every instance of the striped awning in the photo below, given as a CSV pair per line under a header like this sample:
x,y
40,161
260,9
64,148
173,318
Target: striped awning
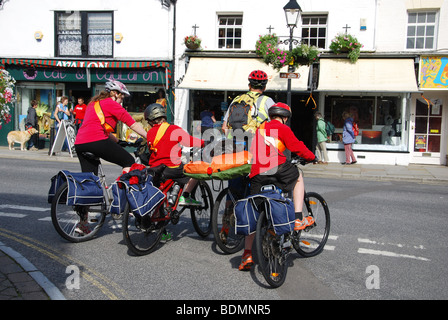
x,y
86,63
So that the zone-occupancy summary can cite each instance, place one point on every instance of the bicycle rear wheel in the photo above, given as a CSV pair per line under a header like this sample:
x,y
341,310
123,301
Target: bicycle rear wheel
x,y
223,223
311,241
75,223
272,258
201,216
140,234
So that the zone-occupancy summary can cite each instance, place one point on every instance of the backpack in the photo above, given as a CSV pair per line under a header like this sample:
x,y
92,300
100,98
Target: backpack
x,y
240,115
329,127
355,129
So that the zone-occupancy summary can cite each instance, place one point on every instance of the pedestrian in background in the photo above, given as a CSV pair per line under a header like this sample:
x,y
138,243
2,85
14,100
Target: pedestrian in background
x,y
31,122
321,132
79,111
348,138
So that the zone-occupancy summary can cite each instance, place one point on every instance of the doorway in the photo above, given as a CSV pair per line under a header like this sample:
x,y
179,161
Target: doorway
x,y
427,140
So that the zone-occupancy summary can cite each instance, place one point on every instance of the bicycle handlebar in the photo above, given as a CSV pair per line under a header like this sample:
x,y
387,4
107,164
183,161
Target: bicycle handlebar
x,y
296,159
135,144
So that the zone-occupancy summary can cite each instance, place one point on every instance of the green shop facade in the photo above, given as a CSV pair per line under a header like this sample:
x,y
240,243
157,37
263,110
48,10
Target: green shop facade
x,y
48,80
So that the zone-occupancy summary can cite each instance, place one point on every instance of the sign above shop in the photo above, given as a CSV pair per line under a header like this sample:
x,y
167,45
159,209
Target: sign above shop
x,y
289,75
434,72
149,76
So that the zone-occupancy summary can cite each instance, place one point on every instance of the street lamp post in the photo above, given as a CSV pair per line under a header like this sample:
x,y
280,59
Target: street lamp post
x,y
292,13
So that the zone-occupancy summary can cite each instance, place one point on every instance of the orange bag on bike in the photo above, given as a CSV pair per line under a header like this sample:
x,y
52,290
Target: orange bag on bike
x,y
223,167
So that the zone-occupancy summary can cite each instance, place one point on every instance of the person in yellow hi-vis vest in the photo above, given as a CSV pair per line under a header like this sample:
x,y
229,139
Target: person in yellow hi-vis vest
x,y
259,105
165,141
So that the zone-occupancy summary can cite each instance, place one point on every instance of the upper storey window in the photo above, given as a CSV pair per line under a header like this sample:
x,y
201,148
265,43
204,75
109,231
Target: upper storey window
x,y
422,28
84,34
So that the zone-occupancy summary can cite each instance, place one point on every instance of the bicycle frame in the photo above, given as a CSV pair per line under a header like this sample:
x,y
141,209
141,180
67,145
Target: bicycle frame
x,y
165,187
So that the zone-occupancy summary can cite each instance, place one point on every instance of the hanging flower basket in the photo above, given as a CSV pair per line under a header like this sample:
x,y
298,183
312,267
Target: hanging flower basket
x,y
266,48
192,42
345,43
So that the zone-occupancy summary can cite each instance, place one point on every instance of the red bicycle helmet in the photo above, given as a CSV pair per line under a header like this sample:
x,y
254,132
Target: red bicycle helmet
x,y
258,78
280,109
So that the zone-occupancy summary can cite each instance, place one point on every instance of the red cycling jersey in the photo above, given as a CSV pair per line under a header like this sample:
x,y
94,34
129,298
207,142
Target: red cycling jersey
x,y
265,152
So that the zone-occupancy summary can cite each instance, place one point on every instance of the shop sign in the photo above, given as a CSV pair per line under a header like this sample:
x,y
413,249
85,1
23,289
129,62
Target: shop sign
x,y
149,76
434,72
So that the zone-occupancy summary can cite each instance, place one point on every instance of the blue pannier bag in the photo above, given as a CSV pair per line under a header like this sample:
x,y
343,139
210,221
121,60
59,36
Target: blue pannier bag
x,y
119,199
246,216
279,209
142,197
84,188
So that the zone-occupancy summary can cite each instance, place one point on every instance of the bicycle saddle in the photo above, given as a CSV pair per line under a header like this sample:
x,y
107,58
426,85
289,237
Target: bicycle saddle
x,y
90,155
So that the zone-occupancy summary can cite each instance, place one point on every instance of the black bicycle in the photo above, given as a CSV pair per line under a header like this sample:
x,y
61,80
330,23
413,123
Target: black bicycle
x,y
223,217
273,250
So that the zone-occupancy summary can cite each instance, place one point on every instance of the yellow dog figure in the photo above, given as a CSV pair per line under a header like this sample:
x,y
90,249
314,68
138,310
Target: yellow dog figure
x,y
20,137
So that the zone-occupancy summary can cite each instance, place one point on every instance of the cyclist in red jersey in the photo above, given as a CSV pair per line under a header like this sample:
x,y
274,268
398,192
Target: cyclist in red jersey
x,y
96,136
165,142
270,140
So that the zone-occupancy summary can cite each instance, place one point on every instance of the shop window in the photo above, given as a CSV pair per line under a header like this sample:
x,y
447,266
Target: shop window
x,y
378,118
314,30
84,34
230,31
422,29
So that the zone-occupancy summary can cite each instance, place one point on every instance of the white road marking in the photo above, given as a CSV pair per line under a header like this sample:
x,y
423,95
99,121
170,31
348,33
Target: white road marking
x,y
12,215
390,254
12,206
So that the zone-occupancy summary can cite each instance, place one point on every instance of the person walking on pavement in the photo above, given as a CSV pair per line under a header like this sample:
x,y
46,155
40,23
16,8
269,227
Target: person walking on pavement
x,y
348,138
321,132
31,122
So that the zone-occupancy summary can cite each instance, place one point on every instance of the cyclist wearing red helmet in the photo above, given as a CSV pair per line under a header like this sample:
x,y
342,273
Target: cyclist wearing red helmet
x,y
257,85
271,140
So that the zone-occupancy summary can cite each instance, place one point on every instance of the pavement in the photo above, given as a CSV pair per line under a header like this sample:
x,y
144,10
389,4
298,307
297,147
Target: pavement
x,y
20,280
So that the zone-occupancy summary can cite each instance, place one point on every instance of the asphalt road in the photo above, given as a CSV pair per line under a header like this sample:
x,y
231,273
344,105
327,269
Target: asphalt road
x,y
388,241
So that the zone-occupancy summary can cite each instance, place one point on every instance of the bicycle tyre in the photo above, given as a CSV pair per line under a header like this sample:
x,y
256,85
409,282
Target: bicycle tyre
x,y
233,242
271,258
139,240
311,241
201,217
66,218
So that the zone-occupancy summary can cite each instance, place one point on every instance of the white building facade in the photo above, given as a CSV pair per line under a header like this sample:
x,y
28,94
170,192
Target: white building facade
x,y
397,91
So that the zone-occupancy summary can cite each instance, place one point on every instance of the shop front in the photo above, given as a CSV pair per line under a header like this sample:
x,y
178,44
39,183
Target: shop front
x,y
379,94
213,82
48,80
429,118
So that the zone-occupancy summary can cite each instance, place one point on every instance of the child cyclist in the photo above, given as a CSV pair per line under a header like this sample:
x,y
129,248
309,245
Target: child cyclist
x,y
270,140
165,141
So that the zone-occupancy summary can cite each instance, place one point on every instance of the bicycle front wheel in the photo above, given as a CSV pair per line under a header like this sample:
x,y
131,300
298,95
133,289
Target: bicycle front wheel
x,y
201,216
223,223
140,234
272,258
75,223
311,241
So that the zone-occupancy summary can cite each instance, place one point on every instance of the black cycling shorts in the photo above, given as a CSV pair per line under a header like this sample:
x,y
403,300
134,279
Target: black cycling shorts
x,y
104,149
286,176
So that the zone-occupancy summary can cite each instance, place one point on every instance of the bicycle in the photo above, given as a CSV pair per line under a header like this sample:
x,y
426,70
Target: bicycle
x,y
273,250
223,218
71,221
68,220
143,234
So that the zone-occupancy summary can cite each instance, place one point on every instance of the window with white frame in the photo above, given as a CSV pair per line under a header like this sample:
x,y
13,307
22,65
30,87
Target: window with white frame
x,y
230,31
84,34
314,30
422,29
